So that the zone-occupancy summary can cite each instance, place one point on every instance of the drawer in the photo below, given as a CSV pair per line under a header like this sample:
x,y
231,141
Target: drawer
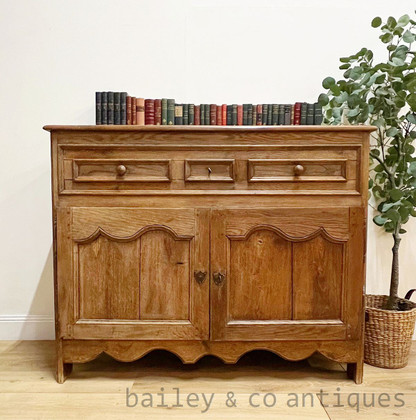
x,y
209,170
291,170
126,170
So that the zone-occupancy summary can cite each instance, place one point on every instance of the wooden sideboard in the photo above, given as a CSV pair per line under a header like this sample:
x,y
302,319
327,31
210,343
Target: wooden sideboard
x,y
209,240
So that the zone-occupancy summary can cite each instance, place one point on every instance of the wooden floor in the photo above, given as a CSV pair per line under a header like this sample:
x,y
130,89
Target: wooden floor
x,y
311,389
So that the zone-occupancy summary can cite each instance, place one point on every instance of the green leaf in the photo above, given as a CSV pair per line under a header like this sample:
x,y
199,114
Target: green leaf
x,y
387,206
386,38
408,37
376,22
392,131
345,66
402,231
353,112
328,82
396,194
412,168
403,21
323,99
391,22
411,118
411,100
379,220
379,168
397,61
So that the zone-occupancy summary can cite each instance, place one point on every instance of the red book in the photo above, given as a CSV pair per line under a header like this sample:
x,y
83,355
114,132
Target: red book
x,y
197,115
158,111
224,114
149,111
239,114
219,115
139,111
128,110
133,111
259,115
213,114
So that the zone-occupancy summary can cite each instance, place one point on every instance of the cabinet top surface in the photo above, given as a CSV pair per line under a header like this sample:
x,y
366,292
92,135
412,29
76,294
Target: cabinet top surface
x,y
207,128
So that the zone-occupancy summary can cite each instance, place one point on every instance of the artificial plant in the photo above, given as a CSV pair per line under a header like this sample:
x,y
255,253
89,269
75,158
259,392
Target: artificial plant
x,y
383,94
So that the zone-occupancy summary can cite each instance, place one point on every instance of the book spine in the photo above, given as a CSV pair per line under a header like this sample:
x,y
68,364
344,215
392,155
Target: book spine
x,y
123,108
264,114
229,119
149,111
254,113
259,120
234,111
197,115
104,106
224,114
191,114
318,116
292,114
164,111
171,111
178,114
202,114
207,114
140,114
185,113
245,114
309,114
98,108
117,108
275,114
239,114
213,114
110,108
134,110
158,111
249,114
128,110
281,117
269,114
296,116
288,109
303,111
219,115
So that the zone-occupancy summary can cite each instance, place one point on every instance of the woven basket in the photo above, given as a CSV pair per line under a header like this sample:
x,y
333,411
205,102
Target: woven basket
x,y
388,334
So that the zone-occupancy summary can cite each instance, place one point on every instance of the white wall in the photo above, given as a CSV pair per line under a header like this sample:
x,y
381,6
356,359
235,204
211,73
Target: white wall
x,y
56,54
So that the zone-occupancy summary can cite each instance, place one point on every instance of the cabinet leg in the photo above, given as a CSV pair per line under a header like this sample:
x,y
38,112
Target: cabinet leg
x,y
62,371
355,371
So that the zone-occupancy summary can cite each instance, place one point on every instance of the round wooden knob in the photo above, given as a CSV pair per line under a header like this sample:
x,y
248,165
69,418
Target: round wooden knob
x,y
121,170
298,170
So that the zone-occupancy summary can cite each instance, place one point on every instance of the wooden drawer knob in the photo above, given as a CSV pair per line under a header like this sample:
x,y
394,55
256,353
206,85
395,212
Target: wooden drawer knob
x,y
298,170
121,170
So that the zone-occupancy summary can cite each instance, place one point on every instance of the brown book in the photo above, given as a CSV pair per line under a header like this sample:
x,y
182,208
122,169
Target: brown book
x,y
259,119
213,114
128,110
133,110
239,114
140,111
296,117
197,115
219,115
224,114
149,111
158,112
292,115
254,115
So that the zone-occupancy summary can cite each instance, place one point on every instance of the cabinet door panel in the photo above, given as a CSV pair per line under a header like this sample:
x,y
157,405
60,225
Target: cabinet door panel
x,y
285,273
129,273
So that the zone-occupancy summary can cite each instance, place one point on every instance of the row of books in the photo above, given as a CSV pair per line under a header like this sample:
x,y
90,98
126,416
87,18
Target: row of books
x,y
120,109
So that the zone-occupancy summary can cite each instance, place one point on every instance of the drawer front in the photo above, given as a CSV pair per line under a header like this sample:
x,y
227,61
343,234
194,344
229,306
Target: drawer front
x,y
289,169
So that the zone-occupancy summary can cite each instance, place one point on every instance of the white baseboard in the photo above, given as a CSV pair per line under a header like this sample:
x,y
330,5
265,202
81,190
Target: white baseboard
x,y
27,327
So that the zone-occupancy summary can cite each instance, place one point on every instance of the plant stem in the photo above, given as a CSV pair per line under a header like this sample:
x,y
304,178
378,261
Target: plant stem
x,y
394,281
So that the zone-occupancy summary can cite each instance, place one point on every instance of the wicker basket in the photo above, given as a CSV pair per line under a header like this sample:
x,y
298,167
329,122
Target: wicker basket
x,y
388,334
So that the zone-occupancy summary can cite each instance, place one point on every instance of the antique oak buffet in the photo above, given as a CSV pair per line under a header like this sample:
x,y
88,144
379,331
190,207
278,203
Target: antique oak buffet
x,y
209,240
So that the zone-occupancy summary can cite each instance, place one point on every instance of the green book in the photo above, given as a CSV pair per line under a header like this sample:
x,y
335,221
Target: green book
x,y
234,114
264,114
269,114
253,115
191,114
178,114
318,117
281,114
202,115
164,111
185,114
171,111
245,114
207,114
229,114
275,114
309,114
303,109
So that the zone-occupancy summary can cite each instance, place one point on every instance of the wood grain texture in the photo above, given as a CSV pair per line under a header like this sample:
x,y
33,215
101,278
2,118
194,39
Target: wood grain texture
x,y
277,214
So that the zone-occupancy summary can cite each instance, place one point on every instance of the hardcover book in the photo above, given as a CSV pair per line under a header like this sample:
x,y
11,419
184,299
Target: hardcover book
x,y
117,108
234,114
164,111
219,115
275,114
259,120
123,108
264,114
245,114
229,120
239,114
207,110
110,107
249,114
318,117
202,114
296,117
178,114
269,114
310,114
303,111
158,112
191,114
254,115
288,112
185,114
281,117
140,117
133,110
197,115
224,114
171,111
104,103
213,114
98,108
128,112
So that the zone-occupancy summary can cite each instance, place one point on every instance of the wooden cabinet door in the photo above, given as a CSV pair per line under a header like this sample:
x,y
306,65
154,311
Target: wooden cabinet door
x,y
127,273
287,273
